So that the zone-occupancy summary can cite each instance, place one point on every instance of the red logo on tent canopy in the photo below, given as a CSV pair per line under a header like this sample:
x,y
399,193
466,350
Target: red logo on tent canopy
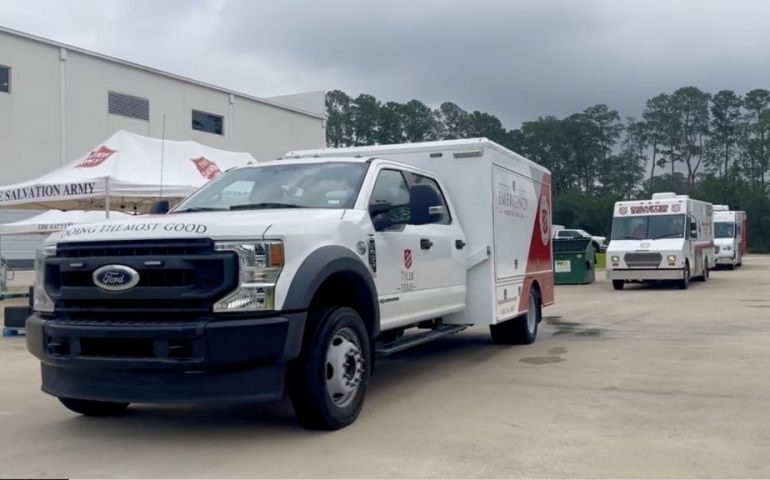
x,y
96,157
407,259
206,167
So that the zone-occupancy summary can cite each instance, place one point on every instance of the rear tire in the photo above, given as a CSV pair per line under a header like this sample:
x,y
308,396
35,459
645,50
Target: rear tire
x,y
618,284
520,330
684,283
327,383
93,408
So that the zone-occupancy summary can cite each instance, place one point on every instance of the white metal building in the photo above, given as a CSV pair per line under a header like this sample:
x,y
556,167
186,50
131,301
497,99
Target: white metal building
x,y
58,101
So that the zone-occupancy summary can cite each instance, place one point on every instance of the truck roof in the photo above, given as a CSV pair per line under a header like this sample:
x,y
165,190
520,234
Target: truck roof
x,y
469,144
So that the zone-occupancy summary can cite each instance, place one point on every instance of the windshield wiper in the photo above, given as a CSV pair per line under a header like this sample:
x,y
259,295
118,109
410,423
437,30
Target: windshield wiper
x,y
256,206
628,237
667,235
200,209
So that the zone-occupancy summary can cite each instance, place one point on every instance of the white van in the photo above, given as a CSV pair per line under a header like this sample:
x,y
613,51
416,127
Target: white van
x,y
670,237
730,236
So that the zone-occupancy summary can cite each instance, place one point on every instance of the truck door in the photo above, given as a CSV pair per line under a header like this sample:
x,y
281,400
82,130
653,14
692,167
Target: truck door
x,y
410,276
441,244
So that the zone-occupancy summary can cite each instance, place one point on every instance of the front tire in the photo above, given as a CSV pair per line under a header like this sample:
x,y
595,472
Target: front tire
x,y
684,283
618,284
93,408
327,383
520,330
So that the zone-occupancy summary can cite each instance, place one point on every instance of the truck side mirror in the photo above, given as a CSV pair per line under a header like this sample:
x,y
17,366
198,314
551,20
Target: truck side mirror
x,y
160,207
380,213
694,233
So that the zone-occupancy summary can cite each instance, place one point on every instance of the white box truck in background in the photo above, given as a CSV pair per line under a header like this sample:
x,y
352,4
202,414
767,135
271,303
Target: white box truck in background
x,y
730,236
670,237
293,275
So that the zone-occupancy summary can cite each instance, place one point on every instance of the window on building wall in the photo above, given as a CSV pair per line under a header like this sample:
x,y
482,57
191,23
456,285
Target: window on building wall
x,y
5,79
128,105
208,122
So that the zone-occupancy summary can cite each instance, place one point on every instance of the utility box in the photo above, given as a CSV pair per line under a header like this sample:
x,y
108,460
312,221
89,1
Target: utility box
x,y
574,261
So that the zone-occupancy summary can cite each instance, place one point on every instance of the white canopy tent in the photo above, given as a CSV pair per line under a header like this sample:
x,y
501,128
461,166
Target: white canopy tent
x,y
54,221
125,172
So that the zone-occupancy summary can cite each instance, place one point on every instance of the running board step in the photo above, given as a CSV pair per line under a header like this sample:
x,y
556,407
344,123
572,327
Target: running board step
x,y
403,343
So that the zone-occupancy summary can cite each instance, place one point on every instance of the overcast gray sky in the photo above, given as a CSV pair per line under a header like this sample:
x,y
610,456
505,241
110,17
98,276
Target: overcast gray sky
x,y
517,59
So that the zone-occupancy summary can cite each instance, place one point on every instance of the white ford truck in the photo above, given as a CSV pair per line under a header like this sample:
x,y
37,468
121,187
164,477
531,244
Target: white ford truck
x,y
295,275
670,237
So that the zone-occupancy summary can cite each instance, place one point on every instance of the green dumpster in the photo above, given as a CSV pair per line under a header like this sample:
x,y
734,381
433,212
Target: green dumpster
x,y
574,261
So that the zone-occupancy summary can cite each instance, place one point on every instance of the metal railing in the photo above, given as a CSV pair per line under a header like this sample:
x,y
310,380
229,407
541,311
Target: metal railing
x,y
6,275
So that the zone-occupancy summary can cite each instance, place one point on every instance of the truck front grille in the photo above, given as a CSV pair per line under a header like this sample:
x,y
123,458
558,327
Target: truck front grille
x,y
176,277
643,260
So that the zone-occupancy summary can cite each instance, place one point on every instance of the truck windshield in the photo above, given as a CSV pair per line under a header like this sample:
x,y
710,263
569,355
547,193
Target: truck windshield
x,y
648,227
724,230
294,185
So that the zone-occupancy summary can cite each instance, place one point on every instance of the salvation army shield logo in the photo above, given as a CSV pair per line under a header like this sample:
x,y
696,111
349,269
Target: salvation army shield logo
x,y
623,210
676,208
208,169
545,220
407,259
96,157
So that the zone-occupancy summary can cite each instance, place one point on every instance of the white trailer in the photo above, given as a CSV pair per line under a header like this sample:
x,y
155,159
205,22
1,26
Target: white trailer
x,y
670,237
730,236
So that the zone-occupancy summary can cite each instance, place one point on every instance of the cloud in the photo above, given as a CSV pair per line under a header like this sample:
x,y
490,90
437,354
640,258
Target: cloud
x,y
517,60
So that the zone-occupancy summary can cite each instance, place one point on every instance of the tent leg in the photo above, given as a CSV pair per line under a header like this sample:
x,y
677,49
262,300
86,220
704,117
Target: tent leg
x,y
107,198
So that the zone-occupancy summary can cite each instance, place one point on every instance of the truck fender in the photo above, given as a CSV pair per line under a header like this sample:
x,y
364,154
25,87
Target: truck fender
x,y
321,265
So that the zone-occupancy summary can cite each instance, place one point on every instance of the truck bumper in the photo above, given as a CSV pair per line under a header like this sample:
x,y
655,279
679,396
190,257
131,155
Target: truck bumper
x,y
729,259
645,274
166,362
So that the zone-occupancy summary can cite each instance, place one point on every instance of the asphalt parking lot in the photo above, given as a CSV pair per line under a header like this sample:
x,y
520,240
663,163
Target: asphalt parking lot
x,y
647,382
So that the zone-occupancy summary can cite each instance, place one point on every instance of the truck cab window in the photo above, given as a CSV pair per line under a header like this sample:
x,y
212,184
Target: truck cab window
x,y
428,201
391,188
302,185
723,230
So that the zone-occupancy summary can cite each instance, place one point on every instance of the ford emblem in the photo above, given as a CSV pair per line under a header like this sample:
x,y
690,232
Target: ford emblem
x,y
115,278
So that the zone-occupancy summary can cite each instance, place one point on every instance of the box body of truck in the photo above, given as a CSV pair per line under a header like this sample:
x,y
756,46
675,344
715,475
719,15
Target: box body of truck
x,y
669,237
503,203
730,236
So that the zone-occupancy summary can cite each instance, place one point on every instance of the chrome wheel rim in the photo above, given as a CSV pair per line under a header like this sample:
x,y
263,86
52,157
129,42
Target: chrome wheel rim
x,y
532,312
344,367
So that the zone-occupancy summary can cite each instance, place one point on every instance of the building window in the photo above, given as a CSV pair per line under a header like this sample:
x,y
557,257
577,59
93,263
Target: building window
x,y
128,105
208,122
5,79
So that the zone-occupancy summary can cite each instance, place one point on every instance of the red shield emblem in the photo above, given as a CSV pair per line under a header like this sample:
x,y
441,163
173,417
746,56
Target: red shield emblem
x,y
545,220
676,208
407,259
96,157
623,210
208,169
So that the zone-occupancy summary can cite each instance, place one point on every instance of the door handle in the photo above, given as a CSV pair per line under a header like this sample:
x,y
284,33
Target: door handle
x,y
425,243
459,244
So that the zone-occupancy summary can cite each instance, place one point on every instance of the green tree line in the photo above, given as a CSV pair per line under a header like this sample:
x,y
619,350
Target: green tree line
x,y
714,147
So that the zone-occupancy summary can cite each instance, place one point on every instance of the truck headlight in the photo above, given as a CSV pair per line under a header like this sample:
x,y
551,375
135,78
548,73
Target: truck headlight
x,y
41,302
259,264
672,259
615,260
